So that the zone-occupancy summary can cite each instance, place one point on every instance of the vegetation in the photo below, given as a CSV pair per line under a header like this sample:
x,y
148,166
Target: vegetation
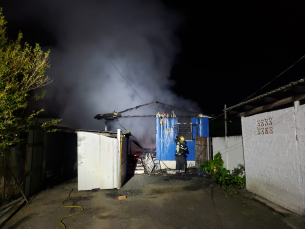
x,y
223,176
22,72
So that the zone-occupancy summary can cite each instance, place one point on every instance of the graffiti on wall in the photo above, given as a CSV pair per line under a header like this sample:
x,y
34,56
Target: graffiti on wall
x,y
264,126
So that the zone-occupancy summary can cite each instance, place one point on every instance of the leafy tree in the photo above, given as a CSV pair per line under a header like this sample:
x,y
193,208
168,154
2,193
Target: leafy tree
x,y
22,71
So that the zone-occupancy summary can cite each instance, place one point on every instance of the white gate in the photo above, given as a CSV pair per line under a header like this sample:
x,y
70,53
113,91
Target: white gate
x,y
102,162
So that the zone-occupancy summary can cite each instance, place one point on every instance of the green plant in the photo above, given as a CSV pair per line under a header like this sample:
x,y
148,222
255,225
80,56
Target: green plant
x,y
239,177
223,176
212,166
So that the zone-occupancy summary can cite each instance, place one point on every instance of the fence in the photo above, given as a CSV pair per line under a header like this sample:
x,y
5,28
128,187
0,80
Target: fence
x,y
234,153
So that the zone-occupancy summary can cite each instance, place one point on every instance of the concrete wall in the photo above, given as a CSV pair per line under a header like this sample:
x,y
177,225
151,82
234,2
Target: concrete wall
x,y
274,147
234,154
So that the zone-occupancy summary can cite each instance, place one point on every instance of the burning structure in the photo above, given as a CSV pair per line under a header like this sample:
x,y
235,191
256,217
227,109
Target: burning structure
x,y
194,128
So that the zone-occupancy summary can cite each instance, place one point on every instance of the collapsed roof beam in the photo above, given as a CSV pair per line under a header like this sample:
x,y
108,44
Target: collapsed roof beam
x,y
129,109
273,105
141,116
116,115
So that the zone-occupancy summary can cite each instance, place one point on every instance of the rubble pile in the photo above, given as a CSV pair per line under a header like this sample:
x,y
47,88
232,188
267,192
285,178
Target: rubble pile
x,y
135,165
139,167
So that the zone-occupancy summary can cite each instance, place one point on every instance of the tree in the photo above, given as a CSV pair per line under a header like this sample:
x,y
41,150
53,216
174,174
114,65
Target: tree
x,y
22,73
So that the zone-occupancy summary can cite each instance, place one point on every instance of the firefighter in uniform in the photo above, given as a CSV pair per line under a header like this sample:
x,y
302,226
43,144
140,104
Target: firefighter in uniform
x,y
180,155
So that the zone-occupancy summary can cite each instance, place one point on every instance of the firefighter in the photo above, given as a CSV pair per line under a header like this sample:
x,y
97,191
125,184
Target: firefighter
x,y
180,155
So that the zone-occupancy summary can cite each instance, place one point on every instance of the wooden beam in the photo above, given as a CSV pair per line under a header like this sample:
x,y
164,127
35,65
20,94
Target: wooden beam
x,y
269,99
299,88
232,112
273,105
248,107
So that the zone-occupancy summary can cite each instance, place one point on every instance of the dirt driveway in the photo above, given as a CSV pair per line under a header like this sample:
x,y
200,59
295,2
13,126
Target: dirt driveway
x,y
156,201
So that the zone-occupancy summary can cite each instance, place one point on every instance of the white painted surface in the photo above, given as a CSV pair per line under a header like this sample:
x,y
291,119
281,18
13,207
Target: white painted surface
x,y
172,164
234,155
116,162
274,161
88,157
98,161
108,147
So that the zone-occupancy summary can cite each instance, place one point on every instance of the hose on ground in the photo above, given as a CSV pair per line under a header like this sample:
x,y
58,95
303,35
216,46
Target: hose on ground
x,y
219,225
65,206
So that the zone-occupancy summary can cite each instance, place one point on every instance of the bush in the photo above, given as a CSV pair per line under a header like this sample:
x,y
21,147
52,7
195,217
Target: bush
x,y
223,176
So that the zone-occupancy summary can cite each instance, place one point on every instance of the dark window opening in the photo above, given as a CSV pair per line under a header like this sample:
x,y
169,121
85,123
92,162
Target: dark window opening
x,y
185,130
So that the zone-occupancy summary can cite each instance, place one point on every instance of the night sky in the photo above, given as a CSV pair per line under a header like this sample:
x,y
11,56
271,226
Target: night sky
x,y
231,49
227,49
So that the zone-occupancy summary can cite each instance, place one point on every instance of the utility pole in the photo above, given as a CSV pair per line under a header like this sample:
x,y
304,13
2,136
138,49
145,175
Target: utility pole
x,y
226,136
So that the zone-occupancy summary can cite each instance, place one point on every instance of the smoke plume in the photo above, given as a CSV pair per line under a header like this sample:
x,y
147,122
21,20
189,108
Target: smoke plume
x,y
136,36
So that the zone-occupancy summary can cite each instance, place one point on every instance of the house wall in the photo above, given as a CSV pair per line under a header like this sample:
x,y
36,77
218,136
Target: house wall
x,y
234,155
274,147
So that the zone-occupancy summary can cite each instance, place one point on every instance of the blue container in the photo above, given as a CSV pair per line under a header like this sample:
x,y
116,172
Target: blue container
x,y
166,132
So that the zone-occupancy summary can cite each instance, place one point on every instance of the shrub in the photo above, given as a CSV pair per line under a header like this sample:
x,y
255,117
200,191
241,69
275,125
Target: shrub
x,y
223,176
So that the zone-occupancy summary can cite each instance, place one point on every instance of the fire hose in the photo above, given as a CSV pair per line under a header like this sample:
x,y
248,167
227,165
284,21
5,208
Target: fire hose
x,y
65,206
219,225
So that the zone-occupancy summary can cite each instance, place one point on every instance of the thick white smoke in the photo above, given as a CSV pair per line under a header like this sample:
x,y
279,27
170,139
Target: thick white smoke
x,y
137,36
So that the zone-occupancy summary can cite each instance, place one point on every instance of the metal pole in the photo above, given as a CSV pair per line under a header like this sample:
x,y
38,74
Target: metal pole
x,y
106,125
226,137
296,104
18,185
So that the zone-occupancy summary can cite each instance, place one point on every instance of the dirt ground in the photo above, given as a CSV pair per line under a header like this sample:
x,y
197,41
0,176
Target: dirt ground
x,y
155,201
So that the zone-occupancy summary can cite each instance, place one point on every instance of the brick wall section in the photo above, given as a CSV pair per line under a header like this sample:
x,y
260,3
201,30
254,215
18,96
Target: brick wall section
x,y
234,150
274,157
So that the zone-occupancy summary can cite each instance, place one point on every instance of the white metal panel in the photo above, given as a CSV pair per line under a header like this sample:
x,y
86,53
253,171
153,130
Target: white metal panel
x,y
88,160
99,161
108,147
117,161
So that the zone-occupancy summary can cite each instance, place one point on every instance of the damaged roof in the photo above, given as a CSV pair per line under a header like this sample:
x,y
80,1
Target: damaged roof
x,y
116,115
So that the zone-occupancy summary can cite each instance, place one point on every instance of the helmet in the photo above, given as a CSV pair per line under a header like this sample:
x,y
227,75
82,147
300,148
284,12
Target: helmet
x,y
182,138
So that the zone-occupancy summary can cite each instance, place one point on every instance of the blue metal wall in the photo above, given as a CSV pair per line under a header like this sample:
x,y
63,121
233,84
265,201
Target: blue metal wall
x,y
167,132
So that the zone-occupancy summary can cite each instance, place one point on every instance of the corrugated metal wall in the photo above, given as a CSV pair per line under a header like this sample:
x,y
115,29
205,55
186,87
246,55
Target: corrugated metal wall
x,y
102,160
166,132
